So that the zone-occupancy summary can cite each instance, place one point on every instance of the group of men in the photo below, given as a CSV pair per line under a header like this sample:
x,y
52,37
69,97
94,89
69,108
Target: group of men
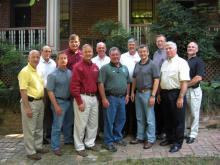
x,y
81,95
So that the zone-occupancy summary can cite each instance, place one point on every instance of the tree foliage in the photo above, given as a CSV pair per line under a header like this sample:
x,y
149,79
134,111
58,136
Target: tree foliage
x,y
112,33
183,25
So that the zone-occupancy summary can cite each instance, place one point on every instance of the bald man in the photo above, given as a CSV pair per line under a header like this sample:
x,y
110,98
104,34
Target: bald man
x,y
194,92
32,107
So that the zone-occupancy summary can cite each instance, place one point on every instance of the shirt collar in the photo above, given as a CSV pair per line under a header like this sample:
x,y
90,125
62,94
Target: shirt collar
x,y
147,62
44,61
31,68
173,59
113,65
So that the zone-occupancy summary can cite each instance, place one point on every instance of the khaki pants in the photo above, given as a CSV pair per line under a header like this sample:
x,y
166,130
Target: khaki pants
x,y
194,98
85,123
33,127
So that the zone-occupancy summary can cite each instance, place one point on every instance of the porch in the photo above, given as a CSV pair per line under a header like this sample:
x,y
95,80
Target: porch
x,y
27,38
24,38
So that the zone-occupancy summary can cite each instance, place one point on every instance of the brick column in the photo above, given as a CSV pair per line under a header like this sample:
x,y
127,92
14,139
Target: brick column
x,y
123,13
53,24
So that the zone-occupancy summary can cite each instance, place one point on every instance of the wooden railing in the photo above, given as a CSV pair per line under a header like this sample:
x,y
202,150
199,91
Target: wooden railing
x,y
24,38
141,33
214,28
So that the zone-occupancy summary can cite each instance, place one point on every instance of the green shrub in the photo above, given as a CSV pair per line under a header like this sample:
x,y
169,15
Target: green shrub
x,y
183,25
11,62
112,33
211,96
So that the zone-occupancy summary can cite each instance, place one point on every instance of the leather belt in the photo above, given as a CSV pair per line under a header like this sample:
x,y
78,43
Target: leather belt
x,y
89,94
34,99
63,98
143,90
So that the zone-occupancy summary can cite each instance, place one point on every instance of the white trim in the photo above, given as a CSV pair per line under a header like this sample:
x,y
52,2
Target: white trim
x,y
123,13
53,24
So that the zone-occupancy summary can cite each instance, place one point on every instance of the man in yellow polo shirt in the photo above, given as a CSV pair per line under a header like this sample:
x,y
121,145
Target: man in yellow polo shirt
x,y
32,107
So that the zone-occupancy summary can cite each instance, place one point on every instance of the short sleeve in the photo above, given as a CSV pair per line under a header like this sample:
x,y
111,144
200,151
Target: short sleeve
x,y
184,71
156,72
200,68
102,75
23,78
51,82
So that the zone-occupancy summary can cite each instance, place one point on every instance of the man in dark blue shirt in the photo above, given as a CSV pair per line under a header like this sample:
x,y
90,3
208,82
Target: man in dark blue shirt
x,y
194,92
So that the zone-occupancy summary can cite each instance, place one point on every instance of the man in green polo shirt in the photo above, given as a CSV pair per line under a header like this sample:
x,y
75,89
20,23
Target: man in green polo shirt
x,y
32,107
114,90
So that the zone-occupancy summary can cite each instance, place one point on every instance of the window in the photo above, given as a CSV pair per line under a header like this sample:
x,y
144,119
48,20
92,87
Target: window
x,y
141,11
64,19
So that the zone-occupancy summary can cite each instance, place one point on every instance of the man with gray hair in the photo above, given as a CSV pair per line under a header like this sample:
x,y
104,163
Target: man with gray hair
x,y
173,86
129,59
114,88
32,107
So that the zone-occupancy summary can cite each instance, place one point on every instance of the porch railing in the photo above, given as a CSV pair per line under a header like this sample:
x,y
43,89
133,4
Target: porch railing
x,y
141,32
24,38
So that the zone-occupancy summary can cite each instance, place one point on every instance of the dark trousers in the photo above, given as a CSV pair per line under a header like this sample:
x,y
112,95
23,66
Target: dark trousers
x,y
101,121
174,117
159,116
131,121
48,116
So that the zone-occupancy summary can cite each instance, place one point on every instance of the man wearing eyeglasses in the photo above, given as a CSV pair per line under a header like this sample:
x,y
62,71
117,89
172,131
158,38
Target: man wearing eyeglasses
x,y
46,66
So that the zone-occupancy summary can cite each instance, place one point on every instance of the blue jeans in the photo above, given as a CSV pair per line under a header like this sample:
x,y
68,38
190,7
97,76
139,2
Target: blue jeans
x,y
114,119
145,117
65,120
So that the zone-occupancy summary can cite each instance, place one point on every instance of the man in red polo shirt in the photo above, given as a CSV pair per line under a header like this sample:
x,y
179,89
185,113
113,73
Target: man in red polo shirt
x,y
83,88
73,53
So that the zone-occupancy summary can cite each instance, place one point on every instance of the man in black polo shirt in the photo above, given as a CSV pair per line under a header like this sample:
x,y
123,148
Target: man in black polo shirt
x,y
145,82
194,92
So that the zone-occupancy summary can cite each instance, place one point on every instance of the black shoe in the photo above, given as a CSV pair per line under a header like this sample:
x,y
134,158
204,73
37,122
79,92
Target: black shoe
x,y
136,141
174,148
110,147
190,140
46,141
121,143
161,136
165,143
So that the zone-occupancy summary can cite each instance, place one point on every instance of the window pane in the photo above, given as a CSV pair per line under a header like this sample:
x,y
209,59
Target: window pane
x,y
64,19
141,11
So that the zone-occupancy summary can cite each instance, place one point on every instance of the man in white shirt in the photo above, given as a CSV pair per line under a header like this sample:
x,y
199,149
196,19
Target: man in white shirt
x,y
46,66
129,59
100,60
173,86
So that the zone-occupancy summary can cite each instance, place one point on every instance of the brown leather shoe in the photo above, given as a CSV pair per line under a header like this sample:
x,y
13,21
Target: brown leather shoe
x,y
93,148
82,153
34,157
43,151
147,145
57,152
136,141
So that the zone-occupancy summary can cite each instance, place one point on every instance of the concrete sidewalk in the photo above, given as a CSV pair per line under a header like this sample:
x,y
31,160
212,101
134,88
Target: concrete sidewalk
x,y
12,151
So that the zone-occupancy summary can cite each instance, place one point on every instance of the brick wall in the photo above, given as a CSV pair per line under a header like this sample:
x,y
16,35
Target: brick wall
x,y
38,14
5,14
85,13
